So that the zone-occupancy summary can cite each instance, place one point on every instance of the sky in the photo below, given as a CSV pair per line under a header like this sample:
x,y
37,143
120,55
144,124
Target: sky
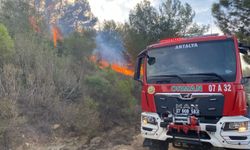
x,y
118,10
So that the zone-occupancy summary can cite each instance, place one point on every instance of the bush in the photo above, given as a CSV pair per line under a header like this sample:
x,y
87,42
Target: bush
x,y
6,44
10,122
113,94
82,118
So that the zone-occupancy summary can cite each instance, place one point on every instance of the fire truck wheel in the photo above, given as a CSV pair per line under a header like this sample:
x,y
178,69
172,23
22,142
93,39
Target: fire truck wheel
x,y
159,145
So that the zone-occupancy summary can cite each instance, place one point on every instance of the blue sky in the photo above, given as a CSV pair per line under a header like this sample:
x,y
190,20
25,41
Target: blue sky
x,y
118,10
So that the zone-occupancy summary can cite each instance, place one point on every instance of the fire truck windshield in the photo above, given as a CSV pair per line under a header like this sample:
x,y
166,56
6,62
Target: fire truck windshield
x,y
208,61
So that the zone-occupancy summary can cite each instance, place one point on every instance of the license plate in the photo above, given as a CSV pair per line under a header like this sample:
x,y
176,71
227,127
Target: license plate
x,y
187,109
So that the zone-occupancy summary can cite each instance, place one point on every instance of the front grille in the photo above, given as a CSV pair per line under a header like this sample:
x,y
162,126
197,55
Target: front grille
x,y
210,105
191,134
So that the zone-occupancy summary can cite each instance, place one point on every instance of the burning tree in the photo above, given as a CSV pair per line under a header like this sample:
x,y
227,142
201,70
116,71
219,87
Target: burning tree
x,y
64,16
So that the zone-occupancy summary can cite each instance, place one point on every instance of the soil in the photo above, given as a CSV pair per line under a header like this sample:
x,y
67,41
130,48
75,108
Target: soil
x,y
117,139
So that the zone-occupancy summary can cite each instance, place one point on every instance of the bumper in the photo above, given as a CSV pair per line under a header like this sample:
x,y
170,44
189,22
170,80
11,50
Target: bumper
x,y
219,138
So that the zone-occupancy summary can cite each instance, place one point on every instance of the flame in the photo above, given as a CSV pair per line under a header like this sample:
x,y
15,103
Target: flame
x,y
56,33
122,69
55,30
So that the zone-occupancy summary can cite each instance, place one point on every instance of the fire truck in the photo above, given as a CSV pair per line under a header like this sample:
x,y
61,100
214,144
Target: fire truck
x,y
193,93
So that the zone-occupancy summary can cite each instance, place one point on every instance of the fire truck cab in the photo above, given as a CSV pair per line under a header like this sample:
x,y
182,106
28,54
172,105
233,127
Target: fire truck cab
x,y
193,93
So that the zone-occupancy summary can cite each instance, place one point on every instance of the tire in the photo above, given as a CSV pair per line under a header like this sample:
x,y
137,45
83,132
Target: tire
x,y
159,145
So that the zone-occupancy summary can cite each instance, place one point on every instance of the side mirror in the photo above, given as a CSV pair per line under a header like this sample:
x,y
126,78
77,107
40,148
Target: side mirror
x,y
137,74
244,49
245,80
151,60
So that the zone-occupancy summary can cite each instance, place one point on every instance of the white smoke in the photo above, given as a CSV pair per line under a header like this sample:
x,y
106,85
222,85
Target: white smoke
x,y
109,47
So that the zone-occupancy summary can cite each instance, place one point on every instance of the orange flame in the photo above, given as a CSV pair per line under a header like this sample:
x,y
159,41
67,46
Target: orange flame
x,y
125,70
56,35
122,70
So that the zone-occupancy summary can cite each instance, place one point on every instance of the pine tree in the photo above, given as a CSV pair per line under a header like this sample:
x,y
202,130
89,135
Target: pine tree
x,y
233,17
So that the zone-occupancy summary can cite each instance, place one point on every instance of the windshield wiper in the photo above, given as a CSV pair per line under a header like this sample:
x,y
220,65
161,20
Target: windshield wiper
x,y
169,76
207,74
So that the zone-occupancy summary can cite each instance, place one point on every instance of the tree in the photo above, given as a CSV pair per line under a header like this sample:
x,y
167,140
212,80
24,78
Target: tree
x,y
6,44
232,17
147,24
79,45
143,19
70,17
15,15
196,29
176,17
77,17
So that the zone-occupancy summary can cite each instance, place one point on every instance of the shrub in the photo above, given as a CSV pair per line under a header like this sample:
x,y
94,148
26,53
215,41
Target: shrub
x,y
82,118
6,44
113,94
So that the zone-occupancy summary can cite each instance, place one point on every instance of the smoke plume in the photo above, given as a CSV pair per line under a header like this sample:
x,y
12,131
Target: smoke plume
x,y
109,47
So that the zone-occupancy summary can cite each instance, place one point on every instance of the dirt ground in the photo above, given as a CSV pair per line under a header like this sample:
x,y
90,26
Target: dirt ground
x,y
116,139
79,144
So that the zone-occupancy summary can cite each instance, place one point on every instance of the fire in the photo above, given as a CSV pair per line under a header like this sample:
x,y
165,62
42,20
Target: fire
x,y
56,33
125,70
55,30
122,70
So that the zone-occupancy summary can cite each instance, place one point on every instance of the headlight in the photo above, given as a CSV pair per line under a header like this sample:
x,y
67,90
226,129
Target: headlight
x,y
148,120
240,126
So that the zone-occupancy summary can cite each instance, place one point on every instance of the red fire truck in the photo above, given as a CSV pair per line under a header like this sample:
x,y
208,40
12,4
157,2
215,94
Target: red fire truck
x,y
193,93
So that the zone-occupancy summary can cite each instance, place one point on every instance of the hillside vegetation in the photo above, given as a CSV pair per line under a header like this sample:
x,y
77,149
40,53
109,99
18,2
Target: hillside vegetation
x,y
45,93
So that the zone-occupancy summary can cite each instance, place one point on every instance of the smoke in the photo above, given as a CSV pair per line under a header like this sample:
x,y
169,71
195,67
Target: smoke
x,y
64,18
109,47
